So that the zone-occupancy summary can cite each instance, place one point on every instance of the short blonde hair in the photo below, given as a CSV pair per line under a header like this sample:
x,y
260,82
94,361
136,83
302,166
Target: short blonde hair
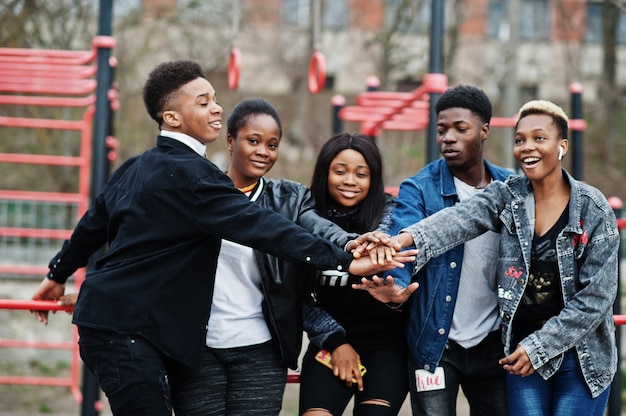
x,y
548,108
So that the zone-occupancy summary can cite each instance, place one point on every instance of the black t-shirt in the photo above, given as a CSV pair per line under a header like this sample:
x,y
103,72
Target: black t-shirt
x,y
543,297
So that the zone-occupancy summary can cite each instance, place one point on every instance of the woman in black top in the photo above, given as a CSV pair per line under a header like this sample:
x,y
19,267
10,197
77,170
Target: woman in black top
x,y
348,188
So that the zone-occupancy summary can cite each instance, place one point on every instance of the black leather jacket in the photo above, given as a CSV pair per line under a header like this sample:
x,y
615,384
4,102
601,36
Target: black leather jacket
x,y
282,280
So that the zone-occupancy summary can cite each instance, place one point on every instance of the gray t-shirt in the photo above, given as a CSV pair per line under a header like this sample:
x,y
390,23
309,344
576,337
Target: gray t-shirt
x,y
476,310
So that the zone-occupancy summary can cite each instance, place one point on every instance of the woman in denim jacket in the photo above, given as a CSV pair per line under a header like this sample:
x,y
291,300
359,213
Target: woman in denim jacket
x,y
557,271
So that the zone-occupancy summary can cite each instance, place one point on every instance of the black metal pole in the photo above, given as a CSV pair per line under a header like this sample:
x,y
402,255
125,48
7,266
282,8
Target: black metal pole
x,y
435,67
337,102
615,397
577,133
99,167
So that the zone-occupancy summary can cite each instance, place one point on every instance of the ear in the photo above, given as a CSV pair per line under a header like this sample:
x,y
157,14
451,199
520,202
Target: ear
x,y
565,145
484,132
229,141
171,118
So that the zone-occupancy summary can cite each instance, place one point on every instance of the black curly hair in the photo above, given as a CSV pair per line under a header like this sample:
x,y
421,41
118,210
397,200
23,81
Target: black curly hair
x,y
466,96
164,82
251,107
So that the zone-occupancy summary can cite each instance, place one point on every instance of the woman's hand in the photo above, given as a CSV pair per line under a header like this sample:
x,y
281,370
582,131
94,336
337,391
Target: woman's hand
x,y
518,363
346,365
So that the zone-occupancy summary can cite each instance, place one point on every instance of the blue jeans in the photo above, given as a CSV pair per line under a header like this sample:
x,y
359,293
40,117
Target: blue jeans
x,y
131,372
241,381
565,393
475,370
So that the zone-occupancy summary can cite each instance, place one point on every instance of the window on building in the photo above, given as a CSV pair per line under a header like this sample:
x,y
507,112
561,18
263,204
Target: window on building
x,y
334,13
534,20
296,12
408,16
594,31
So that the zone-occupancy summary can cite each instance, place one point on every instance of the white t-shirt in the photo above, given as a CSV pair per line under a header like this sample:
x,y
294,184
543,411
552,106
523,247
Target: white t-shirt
x,y
236,309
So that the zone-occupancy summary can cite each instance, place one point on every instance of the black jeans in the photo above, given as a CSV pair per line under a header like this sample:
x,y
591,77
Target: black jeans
x,y
242,381
385,381
131,372
476,371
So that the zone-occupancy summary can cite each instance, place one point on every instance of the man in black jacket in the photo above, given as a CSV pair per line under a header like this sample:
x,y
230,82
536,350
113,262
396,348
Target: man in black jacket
x,y
142,310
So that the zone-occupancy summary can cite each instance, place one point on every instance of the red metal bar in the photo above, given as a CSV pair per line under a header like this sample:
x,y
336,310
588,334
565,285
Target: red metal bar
x,y
619,319
503,121
23,270
18,343
41,123
86,86
54,234
50,160
48,101
10,69
47,56
42,196
39,305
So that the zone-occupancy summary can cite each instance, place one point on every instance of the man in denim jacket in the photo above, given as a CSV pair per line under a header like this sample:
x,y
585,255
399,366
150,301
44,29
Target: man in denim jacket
x,y
452,322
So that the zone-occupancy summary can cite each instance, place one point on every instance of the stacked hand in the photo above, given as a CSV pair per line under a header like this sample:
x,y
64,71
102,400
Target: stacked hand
x,y
385,290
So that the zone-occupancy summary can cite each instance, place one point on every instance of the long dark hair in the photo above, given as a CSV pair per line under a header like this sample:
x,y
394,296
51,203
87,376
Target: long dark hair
x,y
368,215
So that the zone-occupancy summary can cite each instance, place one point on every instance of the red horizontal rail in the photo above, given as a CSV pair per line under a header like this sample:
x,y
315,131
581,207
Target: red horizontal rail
x,y
621,224
42,123
87,87
48,101
33,305
54,234
53,345
47,56
404,125
23,270
28,80
50,160
503,122
38,381
17,69
42,196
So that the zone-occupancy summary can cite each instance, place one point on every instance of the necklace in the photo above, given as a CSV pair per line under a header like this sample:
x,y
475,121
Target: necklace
x,y
482,182
248,188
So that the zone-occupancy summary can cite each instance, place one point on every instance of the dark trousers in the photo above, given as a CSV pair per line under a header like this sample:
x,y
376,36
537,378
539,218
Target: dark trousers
x,y
241,381
131,372
476,371
385,384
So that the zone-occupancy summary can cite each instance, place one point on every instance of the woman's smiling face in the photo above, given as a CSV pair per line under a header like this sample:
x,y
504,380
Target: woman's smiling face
x,y
348,180
537,145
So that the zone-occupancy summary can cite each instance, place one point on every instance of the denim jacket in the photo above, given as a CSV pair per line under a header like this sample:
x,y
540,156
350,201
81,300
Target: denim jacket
x,y
429,310
587,253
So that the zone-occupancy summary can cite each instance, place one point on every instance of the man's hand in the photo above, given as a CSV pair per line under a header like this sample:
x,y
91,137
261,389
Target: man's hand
x,y
364,266
367,242
48,290
385,290
346,365
518,363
